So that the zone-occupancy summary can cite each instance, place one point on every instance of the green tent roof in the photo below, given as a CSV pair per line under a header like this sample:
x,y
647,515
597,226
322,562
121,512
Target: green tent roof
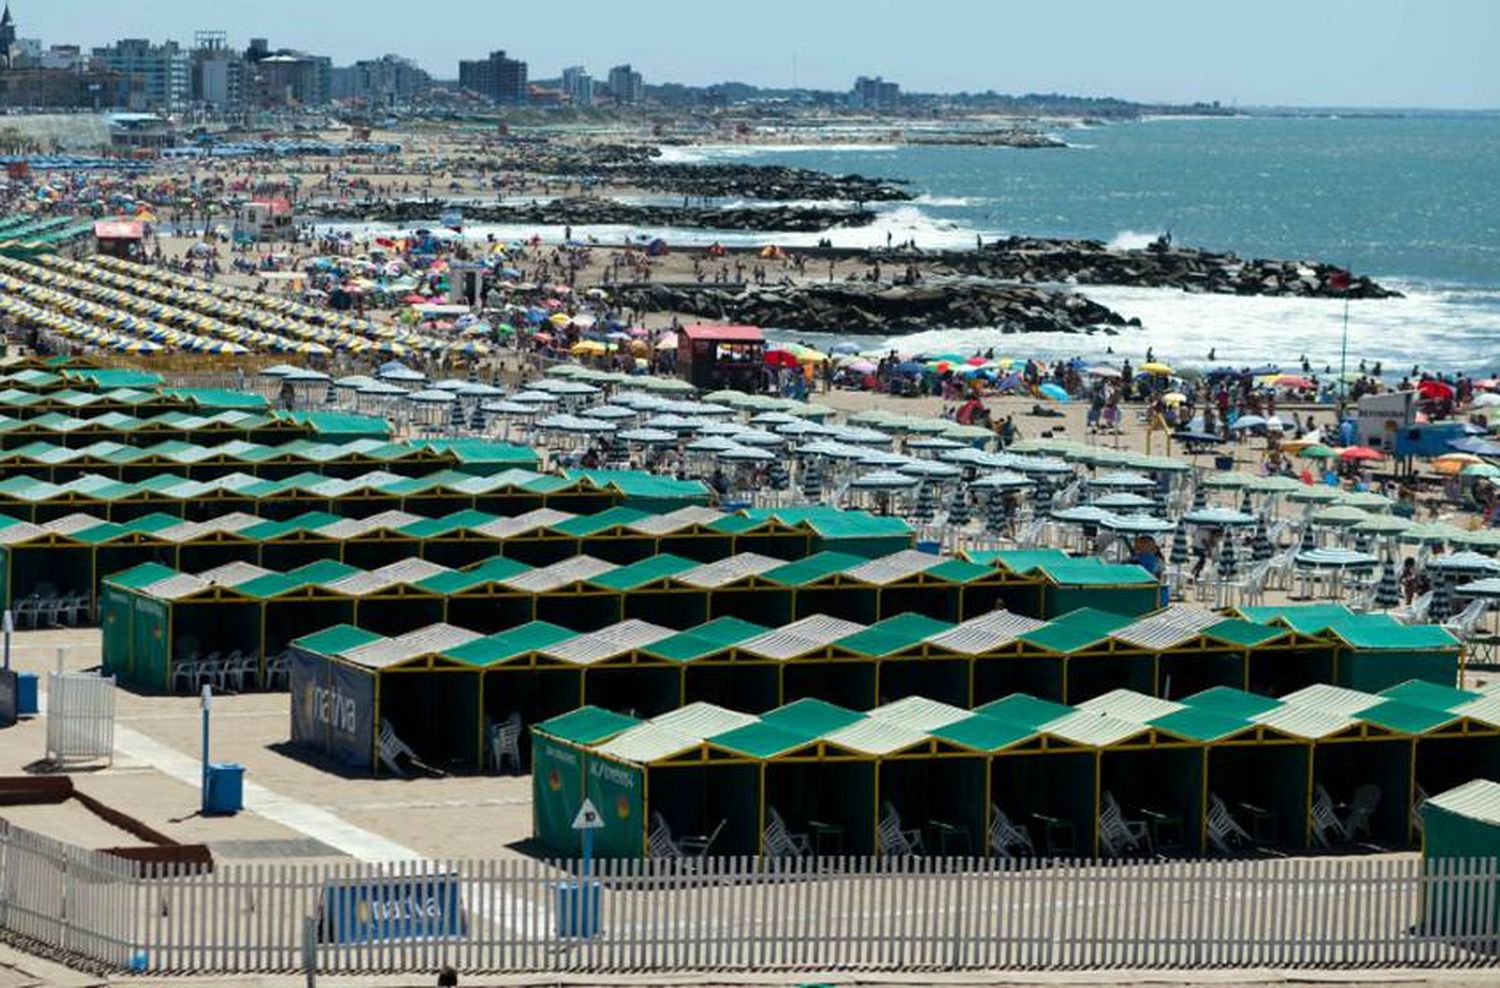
x,y
811,717
762,739
704,639
1381,632
812,568
1201,724
1407,718
1421,693
894,634
1024,710
1309,619
643,571
140,576
587,725
1234,631
1076,630
493,649
336,640
985,733
1230,702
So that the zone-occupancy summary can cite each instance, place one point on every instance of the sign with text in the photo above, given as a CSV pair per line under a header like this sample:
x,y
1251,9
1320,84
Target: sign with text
x,y
415,907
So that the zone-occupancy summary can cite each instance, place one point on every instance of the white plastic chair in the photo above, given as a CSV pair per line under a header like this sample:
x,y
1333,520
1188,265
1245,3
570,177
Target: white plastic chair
x,y
1361,809
1462,625
505,743
1325,822
893,839
393,749
779,842
1419,798
1005,835
1119,834
1223,831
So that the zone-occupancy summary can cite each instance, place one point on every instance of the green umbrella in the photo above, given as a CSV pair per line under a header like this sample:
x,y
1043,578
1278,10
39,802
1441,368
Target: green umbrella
x,y
1317,452
1481,470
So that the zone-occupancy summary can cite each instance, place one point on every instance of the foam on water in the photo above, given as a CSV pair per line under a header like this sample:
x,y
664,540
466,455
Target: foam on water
x,y
692,154
1132,240
1451,329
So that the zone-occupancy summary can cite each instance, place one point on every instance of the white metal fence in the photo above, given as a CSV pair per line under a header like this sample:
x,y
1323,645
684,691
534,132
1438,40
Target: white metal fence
x,y
80,717
744,914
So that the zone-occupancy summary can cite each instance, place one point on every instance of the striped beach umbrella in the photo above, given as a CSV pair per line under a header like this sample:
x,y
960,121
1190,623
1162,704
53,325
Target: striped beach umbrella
x,y
1246,508
1441,607
958,507
456,416
926,510
1228,560
1309,541
1361,541
1388,590
776,475
331,396
812,480
1041,499
1200,496
996,517
477,421
1172,551
1261,549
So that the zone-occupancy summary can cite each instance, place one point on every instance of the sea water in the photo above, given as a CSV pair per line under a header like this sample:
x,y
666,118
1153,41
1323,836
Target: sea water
x,y
1412,201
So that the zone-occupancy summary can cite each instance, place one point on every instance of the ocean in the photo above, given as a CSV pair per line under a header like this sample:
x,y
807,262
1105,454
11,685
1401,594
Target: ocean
x,y
1411,201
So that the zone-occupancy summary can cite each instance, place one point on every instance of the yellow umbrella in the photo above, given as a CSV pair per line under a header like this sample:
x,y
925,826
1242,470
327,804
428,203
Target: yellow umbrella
x,y
1174,397
586,346
1156,367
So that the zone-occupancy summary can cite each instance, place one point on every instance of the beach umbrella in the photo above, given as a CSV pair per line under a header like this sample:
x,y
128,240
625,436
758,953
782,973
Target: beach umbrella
x,y
1245,506
958,508
1200,496
1228,561
1173,549
1317,451
1442,601
1309,540
1360,454
776,475
456,416
1261,548
1361,541
1388,590
926,510
996,517
1041,501
812,480
477,421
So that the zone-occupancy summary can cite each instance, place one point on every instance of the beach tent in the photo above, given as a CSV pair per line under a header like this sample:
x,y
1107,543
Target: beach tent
x,y
1461,826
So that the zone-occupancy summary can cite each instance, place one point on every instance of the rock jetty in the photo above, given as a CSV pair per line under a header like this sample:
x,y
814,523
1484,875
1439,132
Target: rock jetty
x,y
585,211
1161,265
857,307
757,182
1018,138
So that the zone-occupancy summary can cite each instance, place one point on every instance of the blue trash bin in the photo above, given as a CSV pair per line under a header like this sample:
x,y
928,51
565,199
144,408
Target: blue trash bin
x,y
573,919
226,789
26,694
930,547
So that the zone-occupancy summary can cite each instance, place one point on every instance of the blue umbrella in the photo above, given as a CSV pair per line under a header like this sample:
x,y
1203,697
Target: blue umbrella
x,y
909,367
1476,446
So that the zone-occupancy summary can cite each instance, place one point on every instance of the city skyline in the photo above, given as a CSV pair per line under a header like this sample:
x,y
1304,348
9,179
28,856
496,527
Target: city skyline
x,y
1379,53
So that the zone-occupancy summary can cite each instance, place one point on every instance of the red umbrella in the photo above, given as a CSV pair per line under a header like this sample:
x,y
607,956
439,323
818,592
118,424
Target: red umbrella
x,y
1360,453
1436,390
781,358
976,361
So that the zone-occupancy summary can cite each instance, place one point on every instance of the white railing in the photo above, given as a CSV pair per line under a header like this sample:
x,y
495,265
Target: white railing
x,y
80,717
743,914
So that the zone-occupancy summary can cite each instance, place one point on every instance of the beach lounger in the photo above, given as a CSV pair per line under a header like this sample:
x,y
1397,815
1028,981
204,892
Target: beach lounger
x,y
777,841
1005,835
1361,809
505,743
1325,822
893,839
1223,831
1118,834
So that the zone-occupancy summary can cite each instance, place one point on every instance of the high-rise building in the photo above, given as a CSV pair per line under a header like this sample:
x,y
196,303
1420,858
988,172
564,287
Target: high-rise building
x,y
383,81
578,86
496,78
218,72
160,75
627,86
875,94
7,39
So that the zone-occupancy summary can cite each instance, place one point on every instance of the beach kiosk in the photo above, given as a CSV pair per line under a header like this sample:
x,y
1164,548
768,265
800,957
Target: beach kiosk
x,y
267,219
125,239
1461,836
715,357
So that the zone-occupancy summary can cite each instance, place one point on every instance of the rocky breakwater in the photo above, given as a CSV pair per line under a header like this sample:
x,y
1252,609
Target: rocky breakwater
x,y
998,139
587,211
1161,265
858,307
754,182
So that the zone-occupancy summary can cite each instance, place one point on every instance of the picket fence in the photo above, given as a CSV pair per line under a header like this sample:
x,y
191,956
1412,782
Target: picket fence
x,y
80,717
902,914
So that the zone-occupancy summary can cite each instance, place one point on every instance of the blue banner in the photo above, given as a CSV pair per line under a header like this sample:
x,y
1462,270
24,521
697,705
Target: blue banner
x,y
386,909
333,708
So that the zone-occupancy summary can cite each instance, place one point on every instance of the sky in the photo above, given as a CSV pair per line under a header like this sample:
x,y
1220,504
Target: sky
x,y
1346,53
